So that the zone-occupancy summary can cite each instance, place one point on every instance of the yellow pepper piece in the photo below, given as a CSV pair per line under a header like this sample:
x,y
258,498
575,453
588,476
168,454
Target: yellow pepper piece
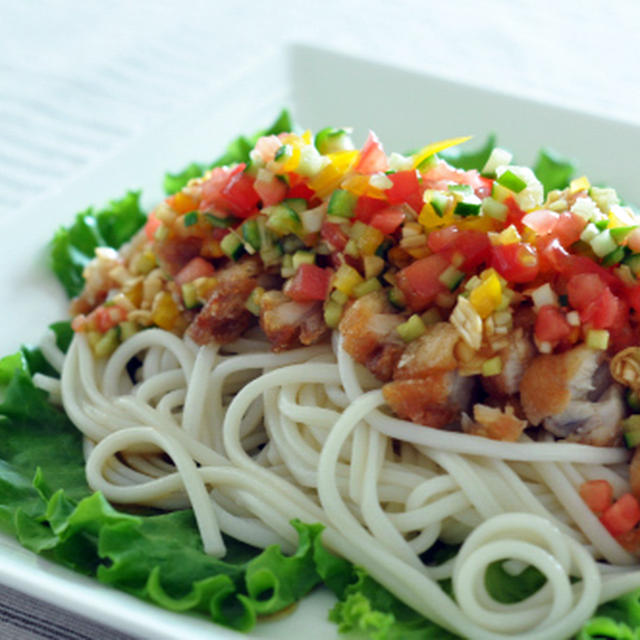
x,y
369,240
346,278
360,185
509,236
420,156
329,178
429,219
164,311
579,184
478,223
486,297
292,162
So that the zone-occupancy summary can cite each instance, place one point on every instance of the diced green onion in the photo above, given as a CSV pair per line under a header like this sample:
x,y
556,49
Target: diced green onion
x,y
511,181
411,329
601,225
620,233
332,314
190,218
342,203
362,288
598,339
332,140
189,295
492,367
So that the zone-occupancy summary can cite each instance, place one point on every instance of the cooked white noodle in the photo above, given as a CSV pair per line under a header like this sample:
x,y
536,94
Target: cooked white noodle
x,y
251,439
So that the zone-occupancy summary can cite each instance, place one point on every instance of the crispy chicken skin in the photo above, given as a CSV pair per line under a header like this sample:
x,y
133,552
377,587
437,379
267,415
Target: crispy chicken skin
x,y
369,335
225,317
515,358
289,324
572,395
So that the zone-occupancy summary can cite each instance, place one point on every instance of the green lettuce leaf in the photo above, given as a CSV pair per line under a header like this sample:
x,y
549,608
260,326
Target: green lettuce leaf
x,y
553,169
237,151
470,159
74,246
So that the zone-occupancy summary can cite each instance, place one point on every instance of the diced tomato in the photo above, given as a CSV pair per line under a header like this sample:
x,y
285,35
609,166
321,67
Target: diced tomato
x,y
515,214
372,156
583,289
387,220
597,495
420,281
406,188
334,235
270,191
542,221
106,318
473,245
633,297
484,187
622,516
516,262
300,190
604,311
212,188
367,206
310,282
196,268
568,228
151,226
551,325
240,195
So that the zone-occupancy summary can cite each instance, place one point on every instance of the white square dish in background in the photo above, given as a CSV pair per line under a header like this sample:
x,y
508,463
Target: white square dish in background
x,y
406,109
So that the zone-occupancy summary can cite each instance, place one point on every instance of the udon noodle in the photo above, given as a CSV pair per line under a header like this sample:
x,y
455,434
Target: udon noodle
x,y
251,439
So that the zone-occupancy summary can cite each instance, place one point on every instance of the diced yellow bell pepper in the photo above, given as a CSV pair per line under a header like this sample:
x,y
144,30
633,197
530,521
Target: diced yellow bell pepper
x,y
164,311
479,223
420,156
329,178
486,297
509,236
579,184
360,185
429,219
367,239
346,278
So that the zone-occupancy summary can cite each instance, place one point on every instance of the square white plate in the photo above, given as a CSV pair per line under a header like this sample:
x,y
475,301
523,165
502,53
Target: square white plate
x,y
406,109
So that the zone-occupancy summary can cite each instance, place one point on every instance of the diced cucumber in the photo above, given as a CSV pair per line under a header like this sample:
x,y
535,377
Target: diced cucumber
x,y
190,218
495,209
222,223
339,296
342,203
631,428
411,329
598,339
190,295
303,257
297,204
361,289
470,206
603,243
451,277
283,219
396,298
616,256
283,153
492,367
232,245
633,262
330,140
251,233
332,314
440,202
498,157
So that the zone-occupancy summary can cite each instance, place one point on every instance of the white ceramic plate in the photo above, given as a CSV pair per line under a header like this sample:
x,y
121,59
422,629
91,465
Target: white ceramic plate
x,y
405,108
